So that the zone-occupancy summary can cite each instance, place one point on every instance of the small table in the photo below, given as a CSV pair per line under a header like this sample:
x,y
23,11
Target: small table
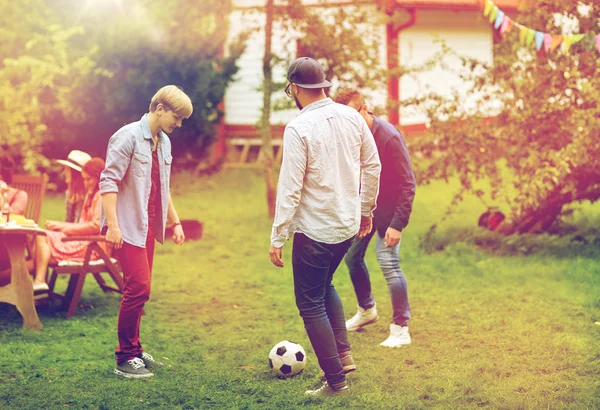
x,y
19,291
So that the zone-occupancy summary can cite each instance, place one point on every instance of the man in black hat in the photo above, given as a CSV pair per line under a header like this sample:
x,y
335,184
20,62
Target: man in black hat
x,y
325,196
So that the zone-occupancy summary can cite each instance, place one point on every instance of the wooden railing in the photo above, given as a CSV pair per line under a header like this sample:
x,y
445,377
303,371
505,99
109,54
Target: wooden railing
x,y
248,152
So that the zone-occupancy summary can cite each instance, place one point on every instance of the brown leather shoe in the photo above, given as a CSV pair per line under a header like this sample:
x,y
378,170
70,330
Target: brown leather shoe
x,y
327,390
347,363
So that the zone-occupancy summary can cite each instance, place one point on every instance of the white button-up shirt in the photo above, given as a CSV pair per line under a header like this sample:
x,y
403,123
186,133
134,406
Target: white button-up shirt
x,y
329,176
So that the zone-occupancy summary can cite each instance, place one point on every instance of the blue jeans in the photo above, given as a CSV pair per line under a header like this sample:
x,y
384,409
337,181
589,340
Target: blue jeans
x,y
389,263
319,303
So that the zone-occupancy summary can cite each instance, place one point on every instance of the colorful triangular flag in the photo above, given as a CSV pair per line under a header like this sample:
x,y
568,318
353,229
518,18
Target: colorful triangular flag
x,y
487,8
556,40
539,40
547,42
577,38
499,19
530,36
493,14
506,25
522,34
570,40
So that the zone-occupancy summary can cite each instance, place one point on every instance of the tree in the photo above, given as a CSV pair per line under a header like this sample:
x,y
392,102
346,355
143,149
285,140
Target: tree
x,y
529,124
346,46
350,54
39,76
265,125
147,44
75,72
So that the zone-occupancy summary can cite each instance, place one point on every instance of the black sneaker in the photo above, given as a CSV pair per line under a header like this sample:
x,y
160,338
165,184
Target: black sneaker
x,y
149,361
133,368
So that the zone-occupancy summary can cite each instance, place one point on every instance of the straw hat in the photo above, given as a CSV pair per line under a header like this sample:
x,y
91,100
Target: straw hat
x,y
76,160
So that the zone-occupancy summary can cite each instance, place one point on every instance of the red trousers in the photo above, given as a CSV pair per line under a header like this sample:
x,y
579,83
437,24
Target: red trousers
x,y
136,263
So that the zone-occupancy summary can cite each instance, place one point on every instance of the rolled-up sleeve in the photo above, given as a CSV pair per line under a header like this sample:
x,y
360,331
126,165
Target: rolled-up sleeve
x,y
289,187
118,158
370,167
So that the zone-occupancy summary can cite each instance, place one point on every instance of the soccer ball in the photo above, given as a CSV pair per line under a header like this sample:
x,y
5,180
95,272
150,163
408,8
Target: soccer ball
x,y
287,359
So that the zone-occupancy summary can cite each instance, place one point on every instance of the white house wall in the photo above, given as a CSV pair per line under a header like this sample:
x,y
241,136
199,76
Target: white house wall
x,y
464,31
243,98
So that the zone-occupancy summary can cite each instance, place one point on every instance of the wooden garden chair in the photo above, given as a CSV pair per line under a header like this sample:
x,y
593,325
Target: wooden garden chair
x,y
79,270
105,264
35,186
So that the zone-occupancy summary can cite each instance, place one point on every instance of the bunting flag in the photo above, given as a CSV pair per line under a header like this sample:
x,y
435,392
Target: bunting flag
x,y
493,14
539,40
544,42
487,8
556,40
530,36
499,19
522,34
547,42
506,25
568,41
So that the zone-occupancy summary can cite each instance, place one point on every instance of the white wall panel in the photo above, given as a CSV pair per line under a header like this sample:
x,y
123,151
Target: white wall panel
x,y
464,31
243,98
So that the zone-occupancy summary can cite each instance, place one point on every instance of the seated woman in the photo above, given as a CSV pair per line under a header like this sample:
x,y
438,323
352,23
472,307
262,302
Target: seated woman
x,y
17,199
75,189
51,248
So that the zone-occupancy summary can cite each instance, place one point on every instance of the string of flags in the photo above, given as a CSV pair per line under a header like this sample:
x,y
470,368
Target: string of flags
x,y
543,41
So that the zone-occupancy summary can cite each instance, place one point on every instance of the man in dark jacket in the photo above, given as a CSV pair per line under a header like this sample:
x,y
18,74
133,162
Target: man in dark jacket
x,y
394,204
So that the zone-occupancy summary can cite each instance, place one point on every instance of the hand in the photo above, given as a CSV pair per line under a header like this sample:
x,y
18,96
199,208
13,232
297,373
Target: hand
x,y
392,237
366,224
114,237
178,236
276,256
55,225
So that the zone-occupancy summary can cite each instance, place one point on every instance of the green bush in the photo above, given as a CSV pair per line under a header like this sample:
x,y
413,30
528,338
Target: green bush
x,y
566,242
75,72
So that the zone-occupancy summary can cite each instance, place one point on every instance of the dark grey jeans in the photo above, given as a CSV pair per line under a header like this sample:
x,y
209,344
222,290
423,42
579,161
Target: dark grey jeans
x,y
319,303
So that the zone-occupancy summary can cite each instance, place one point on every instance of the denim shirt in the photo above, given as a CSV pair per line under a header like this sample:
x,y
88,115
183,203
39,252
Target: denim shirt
x,y
128,172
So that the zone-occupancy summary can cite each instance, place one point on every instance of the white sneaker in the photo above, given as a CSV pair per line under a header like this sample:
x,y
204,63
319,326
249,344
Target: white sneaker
x,y
362,318
40,286
398,336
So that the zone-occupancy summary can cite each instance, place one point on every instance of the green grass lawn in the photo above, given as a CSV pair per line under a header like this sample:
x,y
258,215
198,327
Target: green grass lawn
x,y
489,331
